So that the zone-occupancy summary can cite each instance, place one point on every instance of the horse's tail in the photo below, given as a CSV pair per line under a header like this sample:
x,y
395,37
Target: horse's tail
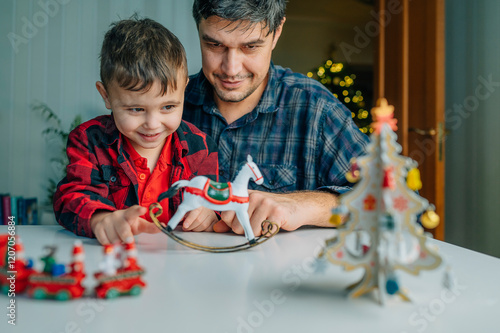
x,y
173,189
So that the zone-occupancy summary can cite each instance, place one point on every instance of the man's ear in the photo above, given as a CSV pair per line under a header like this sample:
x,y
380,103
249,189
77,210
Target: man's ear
x,y
104,94
277,34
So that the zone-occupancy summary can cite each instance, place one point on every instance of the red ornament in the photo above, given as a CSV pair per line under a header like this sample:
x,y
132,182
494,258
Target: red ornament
x,y
389,178
370,202
400,203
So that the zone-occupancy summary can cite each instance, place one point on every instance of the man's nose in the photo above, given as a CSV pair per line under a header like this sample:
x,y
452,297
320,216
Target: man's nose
x,y
232,63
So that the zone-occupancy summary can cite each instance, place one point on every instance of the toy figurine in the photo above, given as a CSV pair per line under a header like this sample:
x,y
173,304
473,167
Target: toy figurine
x,y
201,191
12,260
119,277
77,266
54,282
110,263
49,259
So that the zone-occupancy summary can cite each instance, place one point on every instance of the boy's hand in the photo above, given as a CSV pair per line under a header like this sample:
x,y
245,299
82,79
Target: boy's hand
x,y
199,219
120,225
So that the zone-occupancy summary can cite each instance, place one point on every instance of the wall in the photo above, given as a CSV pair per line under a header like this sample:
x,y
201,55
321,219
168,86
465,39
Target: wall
x,y
473,145
49,52
312,34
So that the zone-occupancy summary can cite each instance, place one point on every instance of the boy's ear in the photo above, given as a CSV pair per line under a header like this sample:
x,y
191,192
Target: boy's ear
x,y
104,94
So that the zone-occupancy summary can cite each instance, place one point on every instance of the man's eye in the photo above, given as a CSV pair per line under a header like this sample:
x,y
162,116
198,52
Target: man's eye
x,y
168,107
136,109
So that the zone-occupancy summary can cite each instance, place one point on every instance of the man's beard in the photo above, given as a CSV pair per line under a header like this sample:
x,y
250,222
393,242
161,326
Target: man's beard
x,y
223,94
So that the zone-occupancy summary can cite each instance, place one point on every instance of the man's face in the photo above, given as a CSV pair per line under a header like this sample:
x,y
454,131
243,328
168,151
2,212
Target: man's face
x,y
235,59
146,118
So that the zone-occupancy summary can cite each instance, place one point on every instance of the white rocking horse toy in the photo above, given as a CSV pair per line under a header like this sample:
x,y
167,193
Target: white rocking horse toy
x,y
201,191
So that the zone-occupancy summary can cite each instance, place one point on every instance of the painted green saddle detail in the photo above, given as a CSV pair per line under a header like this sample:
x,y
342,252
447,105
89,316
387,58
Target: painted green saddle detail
x,y
218,191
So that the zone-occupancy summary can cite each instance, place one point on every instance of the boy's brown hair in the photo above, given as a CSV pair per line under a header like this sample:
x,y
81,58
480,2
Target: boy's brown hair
x,y
136,52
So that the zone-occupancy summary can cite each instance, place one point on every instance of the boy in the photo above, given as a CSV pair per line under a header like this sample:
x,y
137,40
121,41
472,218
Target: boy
x,y
120,163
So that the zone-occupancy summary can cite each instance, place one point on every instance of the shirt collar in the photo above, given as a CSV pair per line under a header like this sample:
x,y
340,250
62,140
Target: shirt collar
x,y
164,160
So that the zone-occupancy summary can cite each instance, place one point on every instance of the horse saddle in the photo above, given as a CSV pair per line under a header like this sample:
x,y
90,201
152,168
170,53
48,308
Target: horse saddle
x,y
218,192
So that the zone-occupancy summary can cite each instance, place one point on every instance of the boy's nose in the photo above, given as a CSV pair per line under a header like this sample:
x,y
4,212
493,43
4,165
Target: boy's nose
x,y
152,121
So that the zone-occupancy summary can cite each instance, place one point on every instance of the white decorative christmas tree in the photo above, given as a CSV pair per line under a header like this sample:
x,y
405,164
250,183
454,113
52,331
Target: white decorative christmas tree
x,y
380,233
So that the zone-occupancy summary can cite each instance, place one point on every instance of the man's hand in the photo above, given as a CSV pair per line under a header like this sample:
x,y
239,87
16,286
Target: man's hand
x,y
199,219
120,225
290,211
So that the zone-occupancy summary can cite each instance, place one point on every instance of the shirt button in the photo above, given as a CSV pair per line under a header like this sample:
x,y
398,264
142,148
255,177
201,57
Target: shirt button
x,y
138,163
142,176
112,179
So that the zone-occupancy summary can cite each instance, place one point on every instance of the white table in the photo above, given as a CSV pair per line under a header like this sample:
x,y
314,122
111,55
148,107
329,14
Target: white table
x,y
269,288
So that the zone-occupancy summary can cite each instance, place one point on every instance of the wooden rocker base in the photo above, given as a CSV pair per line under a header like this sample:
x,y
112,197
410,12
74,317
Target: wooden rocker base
x,y
269,229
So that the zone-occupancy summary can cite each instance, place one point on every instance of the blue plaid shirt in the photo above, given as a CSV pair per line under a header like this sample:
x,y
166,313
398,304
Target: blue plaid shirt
x,y
300,135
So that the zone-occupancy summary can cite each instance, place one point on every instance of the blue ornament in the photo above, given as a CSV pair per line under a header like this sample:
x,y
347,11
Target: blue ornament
x,y
391,286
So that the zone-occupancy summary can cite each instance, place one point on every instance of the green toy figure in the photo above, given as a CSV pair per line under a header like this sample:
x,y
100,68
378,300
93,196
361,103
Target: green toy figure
x,y
49,259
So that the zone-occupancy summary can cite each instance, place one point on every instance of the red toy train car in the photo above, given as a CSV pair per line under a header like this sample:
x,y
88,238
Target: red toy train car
x,y
119,277
119,274
15,270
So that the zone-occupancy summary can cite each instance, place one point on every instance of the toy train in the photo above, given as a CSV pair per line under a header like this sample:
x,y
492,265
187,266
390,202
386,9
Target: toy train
x,y
119,272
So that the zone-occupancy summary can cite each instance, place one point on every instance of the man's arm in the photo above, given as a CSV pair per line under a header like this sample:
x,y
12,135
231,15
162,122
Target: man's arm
x,y
289,210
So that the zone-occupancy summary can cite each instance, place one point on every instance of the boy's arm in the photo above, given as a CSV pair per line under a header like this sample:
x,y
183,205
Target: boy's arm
x,y
83,190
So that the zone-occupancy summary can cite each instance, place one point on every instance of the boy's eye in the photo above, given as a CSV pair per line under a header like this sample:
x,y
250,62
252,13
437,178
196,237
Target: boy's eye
x,y
168,107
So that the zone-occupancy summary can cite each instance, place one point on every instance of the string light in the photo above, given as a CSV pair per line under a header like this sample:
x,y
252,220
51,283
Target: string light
x,y
335,77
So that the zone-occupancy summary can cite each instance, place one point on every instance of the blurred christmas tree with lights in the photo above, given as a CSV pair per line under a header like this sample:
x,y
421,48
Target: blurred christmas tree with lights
x,y
352,87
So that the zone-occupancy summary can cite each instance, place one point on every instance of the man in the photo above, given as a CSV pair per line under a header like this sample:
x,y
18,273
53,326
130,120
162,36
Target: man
x,y
301,137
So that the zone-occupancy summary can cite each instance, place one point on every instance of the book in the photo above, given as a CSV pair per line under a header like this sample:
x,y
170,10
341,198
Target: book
x,y
1,209
6,212
13,208
21,211
31,209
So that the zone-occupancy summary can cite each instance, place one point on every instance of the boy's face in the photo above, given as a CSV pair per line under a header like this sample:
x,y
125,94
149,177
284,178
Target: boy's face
x,y
235,61
146,118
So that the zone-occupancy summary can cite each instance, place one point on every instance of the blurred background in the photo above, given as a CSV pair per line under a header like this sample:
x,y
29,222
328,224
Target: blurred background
x,y
49,65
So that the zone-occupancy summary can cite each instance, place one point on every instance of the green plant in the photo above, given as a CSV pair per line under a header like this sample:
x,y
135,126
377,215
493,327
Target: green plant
x,y
57,136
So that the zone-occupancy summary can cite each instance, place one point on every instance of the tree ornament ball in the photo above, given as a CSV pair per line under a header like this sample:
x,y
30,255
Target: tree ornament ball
x,y
430,219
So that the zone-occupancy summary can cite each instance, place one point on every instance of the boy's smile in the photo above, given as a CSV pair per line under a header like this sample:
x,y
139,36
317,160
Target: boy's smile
x,y
146,118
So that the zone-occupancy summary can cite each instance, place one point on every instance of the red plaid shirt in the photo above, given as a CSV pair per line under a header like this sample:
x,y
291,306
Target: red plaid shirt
x,y
101,175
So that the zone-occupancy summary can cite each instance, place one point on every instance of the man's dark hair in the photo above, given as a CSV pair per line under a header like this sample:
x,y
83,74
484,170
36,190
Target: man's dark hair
x,y
136,52
270,12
